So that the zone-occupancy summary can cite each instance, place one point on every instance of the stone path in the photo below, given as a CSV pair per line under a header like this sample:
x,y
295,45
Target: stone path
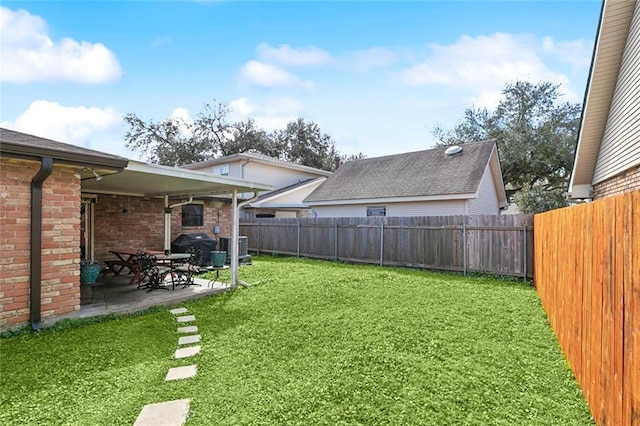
x,y
172,413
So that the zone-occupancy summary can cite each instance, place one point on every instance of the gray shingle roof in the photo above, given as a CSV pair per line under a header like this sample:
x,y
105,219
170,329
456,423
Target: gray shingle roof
x,y
413,174
14,143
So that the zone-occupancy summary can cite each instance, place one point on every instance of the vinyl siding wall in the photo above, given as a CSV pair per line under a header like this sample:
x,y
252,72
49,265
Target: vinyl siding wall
x,y
487,201
620,148
263,173
423,208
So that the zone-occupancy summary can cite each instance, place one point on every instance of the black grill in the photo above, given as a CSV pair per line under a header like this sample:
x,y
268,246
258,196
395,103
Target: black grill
x,y
199,241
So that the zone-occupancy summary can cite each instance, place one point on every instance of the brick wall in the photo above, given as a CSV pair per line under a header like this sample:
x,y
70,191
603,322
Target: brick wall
x,y
627,181
60,241
122,221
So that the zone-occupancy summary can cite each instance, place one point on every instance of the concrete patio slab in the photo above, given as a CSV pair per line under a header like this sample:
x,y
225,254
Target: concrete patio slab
x,y
186,318
188,329
164,413
179,373
187,352
187,340
123,298
178,311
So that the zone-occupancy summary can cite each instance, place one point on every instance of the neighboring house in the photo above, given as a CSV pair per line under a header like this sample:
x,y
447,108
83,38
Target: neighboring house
x,y
423,183
60,203
291,182
284,202
607,160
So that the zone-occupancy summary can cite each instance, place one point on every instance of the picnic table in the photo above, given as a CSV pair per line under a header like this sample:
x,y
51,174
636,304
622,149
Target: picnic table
x,y
127,259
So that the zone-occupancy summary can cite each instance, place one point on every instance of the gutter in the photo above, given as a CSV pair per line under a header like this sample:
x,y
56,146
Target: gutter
x,y
35,306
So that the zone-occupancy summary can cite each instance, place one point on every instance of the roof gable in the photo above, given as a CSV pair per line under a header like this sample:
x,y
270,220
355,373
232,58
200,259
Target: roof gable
x,y
613,31
414,174
256,157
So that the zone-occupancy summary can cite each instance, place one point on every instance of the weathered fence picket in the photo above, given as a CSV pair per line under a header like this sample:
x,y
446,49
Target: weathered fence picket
x,y
495,244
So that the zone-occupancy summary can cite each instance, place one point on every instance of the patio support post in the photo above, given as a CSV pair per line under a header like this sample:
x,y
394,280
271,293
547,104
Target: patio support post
x,y
167,223
233,248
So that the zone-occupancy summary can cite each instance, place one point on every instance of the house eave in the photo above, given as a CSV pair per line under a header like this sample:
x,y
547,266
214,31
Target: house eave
x,y
442,197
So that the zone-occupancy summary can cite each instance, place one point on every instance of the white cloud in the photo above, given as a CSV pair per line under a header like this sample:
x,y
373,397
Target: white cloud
x,y
90,127
181,114
270,115
267,75
286,56
283,106
242,106
576,53
483,65
28,54
375,57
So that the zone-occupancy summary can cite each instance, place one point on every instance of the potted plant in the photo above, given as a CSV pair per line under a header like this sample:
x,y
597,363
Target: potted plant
x,y
89,272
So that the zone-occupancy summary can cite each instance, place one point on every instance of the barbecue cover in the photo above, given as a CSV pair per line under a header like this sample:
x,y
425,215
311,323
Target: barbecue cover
x,y
198,240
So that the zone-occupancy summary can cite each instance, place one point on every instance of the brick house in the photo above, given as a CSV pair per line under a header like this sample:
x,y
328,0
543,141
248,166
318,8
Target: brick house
x,y
607,160
60,203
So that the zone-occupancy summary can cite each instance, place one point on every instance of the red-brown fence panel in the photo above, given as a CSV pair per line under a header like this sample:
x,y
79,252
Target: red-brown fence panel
x,y
587,274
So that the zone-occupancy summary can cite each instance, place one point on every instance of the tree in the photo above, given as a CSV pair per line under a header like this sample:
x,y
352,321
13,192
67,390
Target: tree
x,y
247,137
304,143
536,137
175,141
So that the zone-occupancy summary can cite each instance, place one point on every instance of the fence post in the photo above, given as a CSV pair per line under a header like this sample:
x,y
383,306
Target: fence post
x,y
298,246
464,247
524,251
335,242
259,242
382,244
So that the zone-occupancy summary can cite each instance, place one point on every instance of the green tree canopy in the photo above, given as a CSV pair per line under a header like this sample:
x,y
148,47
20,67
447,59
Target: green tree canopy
x,y
176,141
536,136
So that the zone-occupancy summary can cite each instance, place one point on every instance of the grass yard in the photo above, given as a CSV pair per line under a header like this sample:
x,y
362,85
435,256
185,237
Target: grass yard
x,y
310,343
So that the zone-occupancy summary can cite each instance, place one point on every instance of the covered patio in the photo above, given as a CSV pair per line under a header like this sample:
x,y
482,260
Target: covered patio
x,y
151,193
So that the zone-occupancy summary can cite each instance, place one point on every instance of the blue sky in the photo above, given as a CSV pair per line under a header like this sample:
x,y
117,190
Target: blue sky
x,y
376,76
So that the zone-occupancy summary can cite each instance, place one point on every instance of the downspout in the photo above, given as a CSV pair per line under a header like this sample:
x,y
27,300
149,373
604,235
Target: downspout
x,y
234,236
167,219
46,167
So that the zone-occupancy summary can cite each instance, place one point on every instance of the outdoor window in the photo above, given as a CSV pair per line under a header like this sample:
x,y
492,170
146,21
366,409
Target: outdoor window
x,y
222,170
193,215
376,210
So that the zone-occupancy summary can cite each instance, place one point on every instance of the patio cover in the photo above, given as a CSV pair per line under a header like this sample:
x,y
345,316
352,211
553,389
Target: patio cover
x,y
155,181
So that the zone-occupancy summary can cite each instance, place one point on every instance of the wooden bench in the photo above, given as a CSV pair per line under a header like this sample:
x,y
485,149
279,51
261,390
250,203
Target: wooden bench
x,y
114,266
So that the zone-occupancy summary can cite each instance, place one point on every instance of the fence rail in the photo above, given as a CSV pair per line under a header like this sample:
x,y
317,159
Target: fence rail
x,y
587,273
496,244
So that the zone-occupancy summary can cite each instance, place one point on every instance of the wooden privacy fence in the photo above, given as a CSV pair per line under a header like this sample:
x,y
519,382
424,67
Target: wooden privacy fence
x,y
587,273
496,244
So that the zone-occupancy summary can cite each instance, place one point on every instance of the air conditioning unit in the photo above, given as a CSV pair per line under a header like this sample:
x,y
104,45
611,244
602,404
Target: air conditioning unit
x,y
243,248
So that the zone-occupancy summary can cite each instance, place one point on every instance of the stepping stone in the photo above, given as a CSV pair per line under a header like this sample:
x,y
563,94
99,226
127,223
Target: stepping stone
x,y
164,413
179,373
186,318
187,340
189,329
178,311
187,352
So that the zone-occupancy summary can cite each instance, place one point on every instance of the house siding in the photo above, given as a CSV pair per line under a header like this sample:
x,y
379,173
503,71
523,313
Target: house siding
x,y
626,181
620,148
422,208
60,241
487,201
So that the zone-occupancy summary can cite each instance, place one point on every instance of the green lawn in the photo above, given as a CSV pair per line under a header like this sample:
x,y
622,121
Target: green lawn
x,y
310,343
